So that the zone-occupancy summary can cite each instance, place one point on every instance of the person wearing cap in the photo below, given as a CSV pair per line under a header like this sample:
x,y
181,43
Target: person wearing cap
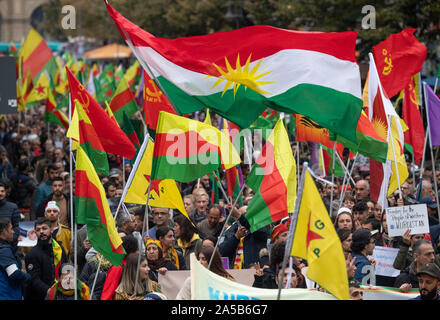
x,y
431,205
280,233
429,282
60,232
115,175
362,246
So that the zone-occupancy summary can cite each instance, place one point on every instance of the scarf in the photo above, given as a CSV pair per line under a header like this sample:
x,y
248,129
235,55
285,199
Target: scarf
x,y
83,290
57,256
160,262
169,255
239,258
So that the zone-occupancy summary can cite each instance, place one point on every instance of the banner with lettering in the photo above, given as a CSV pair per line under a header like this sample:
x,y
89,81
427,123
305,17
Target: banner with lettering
x,y
206,285
414,217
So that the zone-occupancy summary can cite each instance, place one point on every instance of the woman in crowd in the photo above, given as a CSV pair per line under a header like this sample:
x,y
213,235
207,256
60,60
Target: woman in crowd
x,y
344,219
126,288
166,237
156,262
187,237
204,257
346,236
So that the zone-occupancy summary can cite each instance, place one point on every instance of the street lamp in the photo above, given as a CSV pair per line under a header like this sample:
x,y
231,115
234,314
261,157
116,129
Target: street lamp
x,y
235,13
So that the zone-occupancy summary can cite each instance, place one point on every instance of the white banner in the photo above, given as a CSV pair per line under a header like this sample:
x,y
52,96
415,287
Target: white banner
x,y
383,293
414,217
384,261
206,285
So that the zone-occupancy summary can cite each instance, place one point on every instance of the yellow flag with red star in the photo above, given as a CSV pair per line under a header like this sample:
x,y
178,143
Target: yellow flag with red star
x,y
39,91
163,192
316,241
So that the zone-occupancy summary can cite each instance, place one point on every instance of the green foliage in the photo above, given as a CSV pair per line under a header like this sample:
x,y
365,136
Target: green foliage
x,y
177,18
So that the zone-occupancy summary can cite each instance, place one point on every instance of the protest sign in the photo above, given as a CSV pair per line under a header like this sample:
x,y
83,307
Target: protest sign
x,y
172,281
384,258
27,239
414,217
206,285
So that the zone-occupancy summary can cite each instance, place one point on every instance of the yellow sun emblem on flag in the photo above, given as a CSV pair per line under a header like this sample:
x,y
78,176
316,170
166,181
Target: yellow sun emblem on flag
x,y
241,76
381,128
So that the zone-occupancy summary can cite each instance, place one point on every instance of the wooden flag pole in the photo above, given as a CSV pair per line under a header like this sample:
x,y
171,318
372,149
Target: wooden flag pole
x,y
293,221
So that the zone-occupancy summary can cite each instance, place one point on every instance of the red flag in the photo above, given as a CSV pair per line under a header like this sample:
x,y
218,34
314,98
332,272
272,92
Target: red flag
x,y
154,102
397,58
112,138
415,135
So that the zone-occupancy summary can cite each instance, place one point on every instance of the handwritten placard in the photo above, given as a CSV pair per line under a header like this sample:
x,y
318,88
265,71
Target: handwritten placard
x,y
414,217
384,258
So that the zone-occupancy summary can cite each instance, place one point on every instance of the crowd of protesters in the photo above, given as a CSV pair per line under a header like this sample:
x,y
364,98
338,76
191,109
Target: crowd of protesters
x,y
35,186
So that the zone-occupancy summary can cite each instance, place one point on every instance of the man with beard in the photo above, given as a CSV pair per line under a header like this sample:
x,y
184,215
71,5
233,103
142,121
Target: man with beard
x,y
429,282
60,232
60,198
423,253
43,261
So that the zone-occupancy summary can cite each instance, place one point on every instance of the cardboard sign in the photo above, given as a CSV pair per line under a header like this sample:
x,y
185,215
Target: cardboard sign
x,y
414,217
384,261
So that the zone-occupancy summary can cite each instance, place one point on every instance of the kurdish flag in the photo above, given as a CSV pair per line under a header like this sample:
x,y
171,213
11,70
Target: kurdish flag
x,y
187,149
315,239
273,179
92,209
163,192
123,101
249,69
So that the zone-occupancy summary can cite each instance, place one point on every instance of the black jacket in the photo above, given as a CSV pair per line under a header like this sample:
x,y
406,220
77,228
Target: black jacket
x,y
10,210
39,264
252,243
408,275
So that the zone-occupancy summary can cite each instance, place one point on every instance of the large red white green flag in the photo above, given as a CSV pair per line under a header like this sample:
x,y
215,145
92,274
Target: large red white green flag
x,y
250,69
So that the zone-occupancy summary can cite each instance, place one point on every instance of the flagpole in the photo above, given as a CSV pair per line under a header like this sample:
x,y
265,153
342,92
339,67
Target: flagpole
x,y
344,188
292,227
344,167
144,223
224,225
72,223
430,145
130,178
333,180
123,172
